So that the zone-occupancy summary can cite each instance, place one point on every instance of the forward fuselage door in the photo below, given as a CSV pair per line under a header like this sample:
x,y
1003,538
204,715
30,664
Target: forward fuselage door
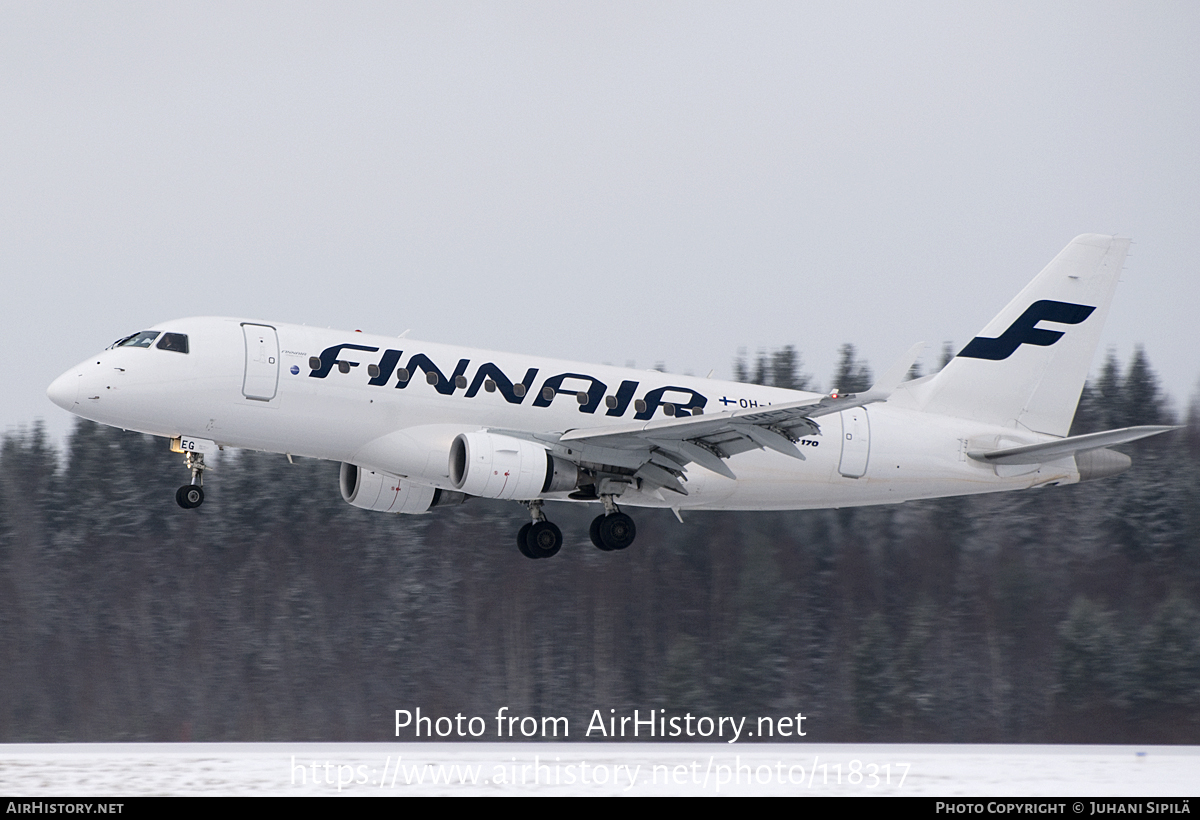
x,y
856,442
262,362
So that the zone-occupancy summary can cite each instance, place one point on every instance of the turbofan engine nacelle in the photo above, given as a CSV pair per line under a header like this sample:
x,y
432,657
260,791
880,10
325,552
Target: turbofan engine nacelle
x,y
494,466
383,492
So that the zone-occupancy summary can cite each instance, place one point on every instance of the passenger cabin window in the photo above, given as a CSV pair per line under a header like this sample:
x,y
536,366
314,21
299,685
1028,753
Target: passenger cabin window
x,y
143,339
173,341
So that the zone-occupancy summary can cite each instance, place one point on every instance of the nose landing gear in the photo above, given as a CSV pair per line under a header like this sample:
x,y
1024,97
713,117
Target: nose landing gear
x,y
190,496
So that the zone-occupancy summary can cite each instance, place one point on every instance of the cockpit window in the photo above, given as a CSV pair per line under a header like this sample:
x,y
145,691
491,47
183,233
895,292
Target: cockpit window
x,y
143,339
173,341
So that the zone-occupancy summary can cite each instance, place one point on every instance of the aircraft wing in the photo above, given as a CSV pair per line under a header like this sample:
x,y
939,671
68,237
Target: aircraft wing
x,y
658,451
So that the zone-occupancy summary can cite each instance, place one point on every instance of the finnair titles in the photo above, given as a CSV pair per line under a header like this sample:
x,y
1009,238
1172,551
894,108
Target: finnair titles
x,y
419,425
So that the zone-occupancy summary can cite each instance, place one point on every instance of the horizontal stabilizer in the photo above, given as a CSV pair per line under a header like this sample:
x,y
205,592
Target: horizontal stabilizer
x,y
1050,450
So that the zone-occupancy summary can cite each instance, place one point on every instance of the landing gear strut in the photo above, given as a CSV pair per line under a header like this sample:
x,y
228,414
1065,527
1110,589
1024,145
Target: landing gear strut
x,y
613,530
190,496
539,538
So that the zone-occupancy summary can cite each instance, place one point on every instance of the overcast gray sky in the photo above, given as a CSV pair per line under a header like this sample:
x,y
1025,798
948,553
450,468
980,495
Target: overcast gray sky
x,y
597,181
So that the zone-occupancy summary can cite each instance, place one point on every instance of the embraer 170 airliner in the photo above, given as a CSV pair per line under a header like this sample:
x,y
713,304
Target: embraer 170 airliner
x,y
418,425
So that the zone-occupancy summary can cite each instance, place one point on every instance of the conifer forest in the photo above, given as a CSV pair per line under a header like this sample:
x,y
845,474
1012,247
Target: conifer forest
x,y
277,612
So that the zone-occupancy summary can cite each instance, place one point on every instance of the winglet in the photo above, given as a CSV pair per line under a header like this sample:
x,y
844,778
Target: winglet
x,y
892,378
884,386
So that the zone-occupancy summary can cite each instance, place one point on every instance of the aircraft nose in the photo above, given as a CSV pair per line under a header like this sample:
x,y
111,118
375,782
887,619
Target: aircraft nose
x,y
64,391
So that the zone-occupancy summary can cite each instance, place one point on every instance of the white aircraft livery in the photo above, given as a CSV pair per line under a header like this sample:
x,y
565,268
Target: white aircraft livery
x,y
419,425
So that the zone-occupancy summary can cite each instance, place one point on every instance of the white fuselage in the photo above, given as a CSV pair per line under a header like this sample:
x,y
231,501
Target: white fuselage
x,y
252,385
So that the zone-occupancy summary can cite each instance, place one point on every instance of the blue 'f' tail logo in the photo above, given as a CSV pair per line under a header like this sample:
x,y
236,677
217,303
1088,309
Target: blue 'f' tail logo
x,y
1023,330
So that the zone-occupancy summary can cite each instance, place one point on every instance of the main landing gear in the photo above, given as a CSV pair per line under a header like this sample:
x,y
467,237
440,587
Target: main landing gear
x,y
190,496
613,530
539,538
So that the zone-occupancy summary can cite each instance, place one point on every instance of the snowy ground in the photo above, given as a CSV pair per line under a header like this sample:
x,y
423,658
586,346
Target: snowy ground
x,y
404,769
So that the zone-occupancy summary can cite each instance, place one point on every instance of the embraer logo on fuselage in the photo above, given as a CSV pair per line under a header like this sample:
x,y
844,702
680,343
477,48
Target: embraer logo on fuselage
x,y
1023,330
587,390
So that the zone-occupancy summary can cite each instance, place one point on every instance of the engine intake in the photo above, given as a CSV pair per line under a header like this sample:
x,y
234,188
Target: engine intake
x,y
495,466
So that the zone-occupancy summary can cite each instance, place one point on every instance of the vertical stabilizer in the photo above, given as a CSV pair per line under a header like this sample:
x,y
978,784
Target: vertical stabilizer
x,y
1027,367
